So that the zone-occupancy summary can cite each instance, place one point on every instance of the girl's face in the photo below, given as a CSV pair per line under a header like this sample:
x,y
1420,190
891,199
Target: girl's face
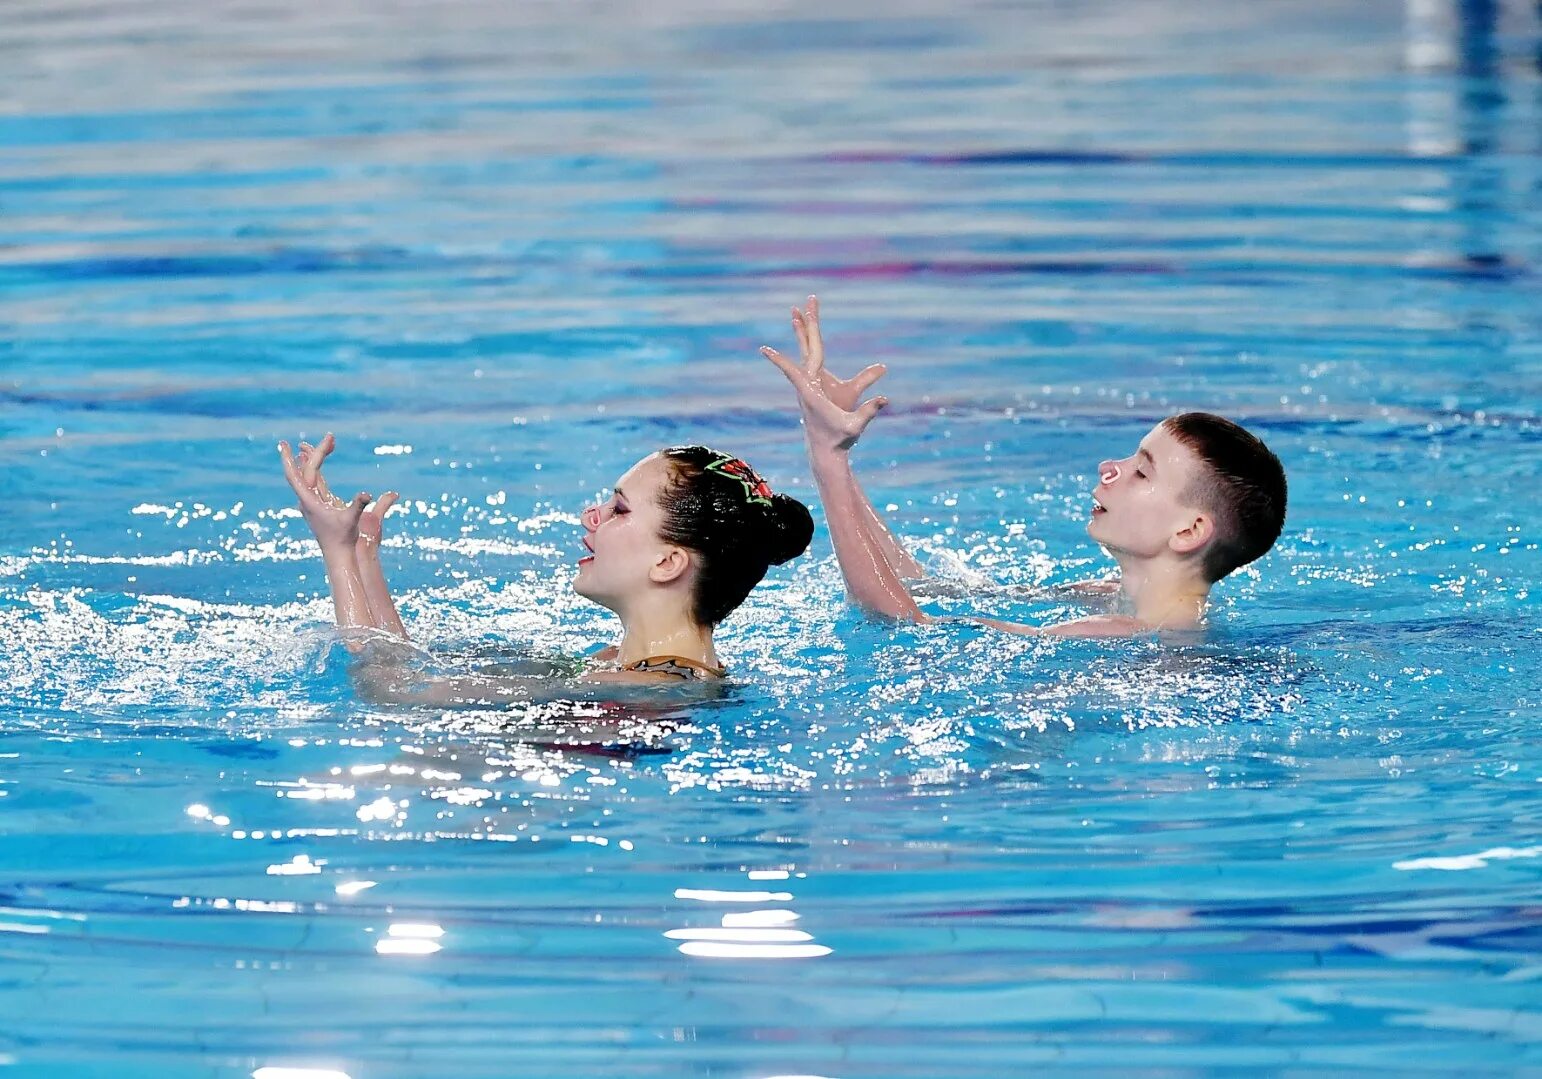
x,y
621,533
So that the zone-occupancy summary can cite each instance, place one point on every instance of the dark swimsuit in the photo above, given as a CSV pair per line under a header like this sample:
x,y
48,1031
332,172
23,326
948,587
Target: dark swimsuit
x,y
687,669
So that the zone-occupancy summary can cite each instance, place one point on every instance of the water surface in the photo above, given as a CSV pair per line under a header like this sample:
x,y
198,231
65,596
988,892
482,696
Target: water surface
x,y
505,250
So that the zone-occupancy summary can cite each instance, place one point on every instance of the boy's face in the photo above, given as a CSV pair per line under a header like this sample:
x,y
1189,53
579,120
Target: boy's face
x,y
1139,508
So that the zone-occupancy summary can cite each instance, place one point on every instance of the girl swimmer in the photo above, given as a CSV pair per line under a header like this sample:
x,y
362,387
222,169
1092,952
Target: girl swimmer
x,y
685,535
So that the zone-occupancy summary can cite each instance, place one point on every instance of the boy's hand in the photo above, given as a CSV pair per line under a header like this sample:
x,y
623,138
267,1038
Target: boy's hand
x,y
831,414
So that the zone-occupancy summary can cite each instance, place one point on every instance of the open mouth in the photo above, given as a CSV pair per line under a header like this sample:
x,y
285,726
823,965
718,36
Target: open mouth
x,y
588,547
1097,507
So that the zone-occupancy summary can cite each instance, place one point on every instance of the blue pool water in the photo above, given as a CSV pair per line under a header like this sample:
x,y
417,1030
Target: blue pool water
x,y
505,250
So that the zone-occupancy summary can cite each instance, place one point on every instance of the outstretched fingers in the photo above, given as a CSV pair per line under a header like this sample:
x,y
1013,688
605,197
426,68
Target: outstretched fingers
x,y
815,353
309,453
800,331
372,521
863,380
793,372
869,410
311,466
291,469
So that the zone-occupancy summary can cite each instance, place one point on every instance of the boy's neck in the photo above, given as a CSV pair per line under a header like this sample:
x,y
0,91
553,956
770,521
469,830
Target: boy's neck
x,y
1163,594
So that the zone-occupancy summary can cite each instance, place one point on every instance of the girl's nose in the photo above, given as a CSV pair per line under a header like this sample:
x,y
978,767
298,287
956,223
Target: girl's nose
x,y
591,518
1108,471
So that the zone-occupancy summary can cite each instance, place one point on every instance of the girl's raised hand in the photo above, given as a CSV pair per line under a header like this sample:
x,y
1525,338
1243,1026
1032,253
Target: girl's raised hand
x,y
334,523
371,523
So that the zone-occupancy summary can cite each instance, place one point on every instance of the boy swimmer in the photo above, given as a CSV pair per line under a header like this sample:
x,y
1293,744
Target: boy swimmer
x,y
1199,498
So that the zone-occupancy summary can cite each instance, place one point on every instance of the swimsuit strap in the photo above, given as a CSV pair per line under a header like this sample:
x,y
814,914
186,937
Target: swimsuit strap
x,y
689,669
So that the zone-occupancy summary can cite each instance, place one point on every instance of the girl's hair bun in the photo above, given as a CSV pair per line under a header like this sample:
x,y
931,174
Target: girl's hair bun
x,y
720,507
791,527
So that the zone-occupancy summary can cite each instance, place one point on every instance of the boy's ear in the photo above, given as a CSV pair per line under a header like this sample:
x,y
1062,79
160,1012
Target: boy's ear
x,y
671,565
1199,531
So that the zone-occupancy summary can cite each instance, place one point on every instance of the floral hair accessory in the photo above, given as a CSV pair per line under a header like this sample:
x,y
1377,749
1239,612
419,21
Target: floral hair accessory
x,y
756,489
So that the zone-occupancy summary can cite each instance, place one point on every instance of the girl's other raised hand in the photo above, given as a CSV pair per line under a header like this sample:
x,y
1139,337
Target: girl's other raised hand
x,y
371,523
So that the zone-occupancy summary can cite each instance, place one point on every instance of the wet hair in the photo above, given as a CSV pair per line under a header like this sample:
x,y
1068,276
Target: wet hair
x,y
716,505
1242,484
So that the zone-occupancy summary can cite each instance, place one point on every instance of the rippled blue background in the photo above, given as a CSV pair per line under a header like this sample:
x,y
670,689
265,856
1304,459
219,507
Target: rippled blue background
x,y
504,250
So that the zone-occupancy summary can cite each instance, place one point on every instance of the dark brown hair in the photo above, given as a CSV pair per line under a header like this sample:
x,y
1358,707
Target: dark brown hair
x,y
1242,485
720,508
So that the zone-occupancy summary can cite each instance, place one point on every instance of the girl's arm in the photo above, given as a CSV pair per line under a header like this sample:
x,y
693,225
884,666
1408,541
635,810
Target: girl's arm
x,y
335,524
382,607
365,576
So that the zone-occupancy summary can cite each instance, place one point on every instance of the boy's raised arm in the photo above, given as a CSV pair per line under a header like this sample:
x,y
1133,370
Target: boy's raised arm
x,y
847,394
872,561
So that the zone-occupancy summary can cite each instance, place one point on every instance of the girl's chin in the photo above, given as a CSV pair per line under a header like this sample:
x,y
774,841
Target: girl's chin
x,y
599,601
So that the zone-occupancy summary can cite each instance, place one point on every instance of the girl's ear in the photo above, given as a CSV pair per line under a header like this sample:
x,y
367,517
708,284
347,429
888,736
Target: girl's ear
x,y
670,566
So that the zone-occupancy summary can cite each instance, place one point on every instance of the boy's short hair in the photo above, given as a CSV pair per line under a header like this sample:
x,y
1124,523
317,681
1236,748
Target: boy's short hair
x,y
1243,485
